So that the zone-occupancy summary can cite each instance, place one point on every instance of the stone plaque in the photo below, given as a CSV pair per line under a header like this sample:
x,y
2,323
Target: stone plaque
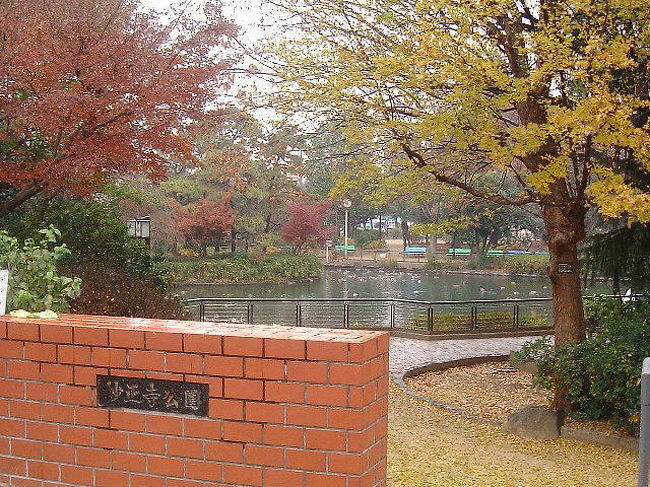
x,y
152,395
565,268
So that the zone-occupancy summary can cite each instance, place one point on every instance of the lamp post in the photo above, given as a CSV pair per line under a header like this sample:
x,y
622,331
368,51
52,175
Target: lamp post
x,y
347,204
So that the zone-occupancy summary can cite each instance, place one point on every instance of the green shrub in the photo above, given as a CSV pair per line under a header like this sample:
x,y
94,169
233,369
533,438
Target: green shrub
x,y
364,237
601,374
244,268
442,263
525,264
34,282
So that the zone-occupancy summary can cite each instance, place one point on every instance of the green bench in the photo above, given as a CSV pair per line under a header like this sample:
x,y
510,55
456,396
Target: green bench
x,y
459,252
341,248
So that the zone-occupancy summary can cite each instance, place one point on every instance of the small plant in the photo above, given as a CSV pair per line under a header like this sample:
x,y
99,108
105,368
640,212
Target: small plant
x,y
34,283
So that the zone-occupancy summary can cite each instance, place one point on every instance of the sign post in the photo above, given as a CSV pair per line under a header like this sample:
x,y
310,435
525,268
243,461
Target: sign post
x,y
4,286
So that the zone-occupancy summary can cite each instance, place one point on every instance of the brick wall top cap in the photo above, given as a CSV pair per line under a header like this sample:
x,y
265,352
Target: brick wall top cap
x,y
204,328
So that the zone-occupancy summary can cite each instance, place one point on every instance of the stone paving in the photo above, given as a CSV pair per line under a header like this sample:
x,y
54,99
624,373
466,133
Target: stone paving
x,y
406,353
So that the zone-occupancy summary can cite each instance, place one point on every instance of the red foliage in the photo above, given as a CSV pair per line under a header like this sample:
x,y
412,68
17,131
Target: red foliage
x,y
92,89
205,221
306,224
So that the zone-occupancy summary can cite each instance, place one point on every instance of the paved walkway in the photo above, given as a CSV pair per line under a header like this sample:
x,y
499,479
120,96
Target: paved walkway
x,y
407,352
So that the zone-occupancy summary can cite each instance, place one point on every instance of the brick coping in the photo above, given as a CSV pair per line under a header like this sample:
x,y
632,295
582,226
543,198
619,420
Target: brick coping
x,y
203,328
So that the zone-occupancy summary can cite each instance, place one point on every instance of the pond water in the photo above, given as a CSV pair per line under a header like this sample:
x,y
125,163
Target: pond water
x,y
390,283
384,285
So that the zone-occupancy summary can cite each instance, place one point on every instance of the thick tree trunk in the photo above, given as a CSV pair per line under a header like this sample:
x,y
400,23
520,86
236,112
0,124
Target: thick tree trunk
x,y
18,199
564,234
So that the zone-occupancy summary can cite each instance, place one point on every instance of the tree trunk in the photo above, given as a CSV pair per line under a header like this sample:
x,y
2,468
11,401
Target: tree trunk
x,y
233,241
18,199
564,234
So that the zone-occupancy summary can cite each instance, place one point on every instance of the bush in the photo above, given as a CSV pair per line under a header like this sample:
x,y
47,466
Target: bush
x,y
442,263
601,374
525,264
364,237
34,282
242,267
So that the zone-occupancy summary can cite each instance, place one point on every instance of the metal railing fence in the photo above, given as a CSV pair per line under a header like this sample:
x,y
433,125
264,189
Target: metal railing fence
x,y
405,314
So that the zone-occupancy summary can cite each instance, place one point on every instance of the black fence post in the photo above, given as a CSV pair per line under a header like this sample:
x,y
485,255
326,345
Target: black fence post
x,y
298,314
202,311
515,317
430,319
392,315
346,315
474,318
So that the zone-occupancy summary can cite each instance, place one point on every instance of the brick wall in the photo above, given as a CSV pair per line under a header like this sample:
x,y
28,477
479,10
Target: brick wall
x,y
288,407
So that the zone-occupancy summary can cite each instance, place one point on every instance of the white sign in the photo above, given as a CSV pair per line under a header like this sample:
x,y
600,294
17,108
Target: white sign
x,y
4,284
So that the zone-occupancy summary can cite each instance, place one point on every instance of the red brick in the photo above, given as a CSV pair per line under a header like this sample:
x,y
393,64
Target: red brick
x,y
185,362
3,332
181,447
57,414
208,344
139,480
75,435
37,391
243,346
170,342
23,370
261,412
146,360
306,460
306,416
77,395
362,396
201,471
226,409
324,480
26,449
93,457
283,435
126,339
76,475
42,470
40,352
224,366
12,388
244,432
264,455
56,373
12,427
146,443
56,334
190,483
326,440
13,466
327,395
131,462
4,448
110,439
127,420
346,463
109,357
349,419
11,349
23,331
280,348
259,368
53,452
25,409
243,389
165,466
41,431
283,478
72,354
90,336
87,376
307,372
202,428
164,424
224,451
362,352
242,475
327,351
92,416
284,392
348,374
109,478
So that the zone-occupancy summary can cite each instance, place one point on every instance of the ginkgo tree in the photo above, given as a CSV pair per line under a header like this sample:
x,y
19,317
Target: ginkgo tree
x,y
552,94
93,89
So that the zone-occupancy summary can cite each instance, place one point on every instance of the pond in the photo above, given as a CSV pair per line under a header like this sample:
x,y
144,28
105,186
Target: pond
x,y
390,283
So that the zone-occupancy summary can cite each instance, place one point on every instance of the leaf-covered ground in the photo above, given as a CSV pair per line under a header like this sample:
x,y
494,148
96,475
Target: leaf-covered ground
x,y
429,447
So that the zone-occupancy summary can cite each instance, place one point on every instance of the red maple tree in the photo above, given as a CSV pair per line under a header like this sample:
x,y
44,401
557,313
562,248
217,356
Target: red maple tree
x,y
95,89
205,222
306,224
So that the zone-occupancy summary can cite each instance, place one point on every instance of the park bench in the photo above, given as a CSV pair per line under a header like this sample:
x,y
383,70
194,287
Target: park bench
x,y
341,248
459,252
494,253
419,251
518,252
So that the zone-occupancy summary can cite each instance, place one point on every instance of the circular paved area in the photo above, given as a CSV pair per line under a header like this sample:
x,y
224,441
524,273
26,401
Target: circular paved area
x,y
406,353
